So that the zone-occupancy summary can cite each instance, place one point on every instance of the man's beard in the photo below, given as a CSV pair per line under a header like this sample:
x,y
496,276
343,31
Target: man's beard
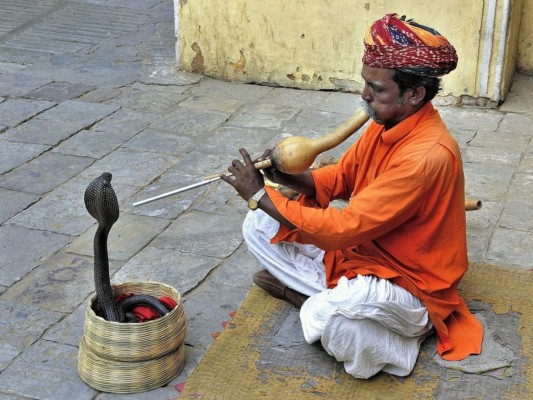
x,y
371,112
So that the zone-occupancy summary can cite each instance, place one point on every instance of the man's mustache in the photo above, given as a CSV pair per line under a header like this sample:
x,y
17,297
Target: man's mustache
x,y
369,110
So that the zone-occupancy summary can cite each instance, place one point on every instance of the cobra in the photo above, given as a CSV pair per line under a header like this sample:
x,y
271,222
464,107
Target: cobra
x,y
101,202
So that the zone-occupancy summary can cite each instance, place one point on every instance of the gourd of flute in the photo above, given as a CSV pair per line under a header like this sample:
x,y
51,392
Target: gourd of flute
x,y
295,154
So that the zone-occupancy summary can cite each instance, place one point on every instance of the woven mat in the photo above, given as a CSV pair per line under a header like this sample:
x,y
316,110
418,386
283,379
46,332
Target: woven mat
x,y
262,353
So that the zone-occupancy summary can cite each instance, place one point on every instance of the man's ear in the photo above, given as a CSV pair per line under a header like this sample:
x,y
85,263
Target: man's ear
x,y
417,96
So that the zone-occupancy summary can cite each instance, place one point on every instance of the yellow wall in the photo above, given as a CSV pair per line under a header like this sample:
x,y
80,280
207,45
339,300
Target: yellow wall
x,y
525,39
313,44
515,14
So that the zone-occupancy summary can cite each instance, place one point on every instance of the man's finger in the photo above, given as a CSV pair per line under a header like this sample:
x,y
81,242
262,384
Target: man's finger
x,y
246,157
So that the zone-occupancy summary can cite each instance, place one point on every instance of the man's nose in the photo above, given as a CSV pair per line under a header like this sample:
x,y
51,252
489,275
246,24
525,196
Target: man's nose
x,y
366,95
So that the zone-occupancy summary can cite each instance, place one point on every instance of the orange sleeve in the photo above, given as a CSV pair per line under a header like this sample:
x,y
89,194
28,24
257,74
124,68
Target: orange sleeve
x,y
386,203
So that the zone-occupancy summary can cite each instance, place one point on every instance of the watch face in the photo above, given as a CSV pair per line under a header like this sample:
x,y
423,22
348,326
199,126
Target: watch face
x,y
253,204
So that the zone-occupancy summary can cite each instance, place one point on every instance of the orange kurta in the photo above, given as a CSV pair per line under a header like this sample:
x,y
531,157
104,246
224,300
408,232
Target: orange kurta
x,y
405,220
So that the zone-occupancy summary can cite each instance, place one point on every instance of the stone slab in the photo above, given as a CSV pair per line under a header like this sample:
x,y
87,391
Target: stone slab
x,y
488,182
124,123
75,27
12,202
163,393
16,111
60,283
51,363
516,124
127,237
59,123
168,75
134,4
101,94
479,226
229,90
160,142
85,70
44,173
8,396
339,102
463,137
303,99
90,144
14,154
12,67
203,102
180,270
518,212
131,167
458,119
240,264
21,326
16,84
60,91
152,98
207,309
16,13
518,99
526,164
496,140
216,197
187,234
521,187
493,155
70,329
22,249
172,206
263,115
511,248
63,209
227,141
191,122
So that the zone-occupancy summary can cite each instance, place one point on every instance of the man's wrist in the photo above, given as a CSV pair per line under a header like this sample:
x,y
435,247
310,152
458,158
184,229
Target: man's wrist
x,y
253,202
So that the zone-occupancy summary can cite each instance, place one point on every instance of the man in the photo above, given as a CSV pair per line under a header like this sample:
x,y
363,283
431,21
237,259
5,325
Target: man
x,y
384,270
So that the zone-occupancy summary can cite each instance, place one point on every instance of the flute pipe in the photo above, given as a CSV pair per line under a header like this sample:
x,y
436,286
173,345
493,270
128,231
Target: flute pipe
x,y
258,165
473,204
173,192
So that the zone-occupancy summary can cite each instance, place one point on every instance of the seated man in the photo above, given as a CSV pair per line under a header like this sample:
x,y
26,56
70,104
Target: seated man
x,y
383,271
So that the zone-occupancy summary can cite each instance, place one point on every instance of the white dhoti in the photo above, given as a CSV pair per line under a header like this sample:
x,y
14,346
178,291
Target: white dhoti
x,y
368,323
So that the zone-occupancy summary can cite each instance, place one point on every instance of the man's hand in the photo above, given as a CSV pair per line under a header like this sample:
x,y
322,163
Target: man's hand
x,y
246,179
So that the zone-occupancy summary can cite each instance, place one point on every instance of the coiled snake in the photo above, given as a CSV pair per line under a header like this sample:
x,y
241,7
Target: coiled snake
x,y
102,204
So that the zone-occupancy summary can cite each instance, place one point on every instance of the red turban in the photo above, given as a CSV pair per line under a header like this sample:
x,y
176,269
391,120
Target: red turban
x,y
393,42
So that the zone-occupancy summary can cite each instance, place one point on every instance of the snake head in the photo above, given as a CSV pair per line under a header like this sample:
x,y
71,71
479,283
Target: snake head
x,y
101,201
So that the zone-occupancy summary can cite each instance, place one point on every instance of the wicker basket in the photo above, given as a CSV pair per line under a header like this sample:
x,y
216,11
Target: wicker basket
x,y
132,357
112,376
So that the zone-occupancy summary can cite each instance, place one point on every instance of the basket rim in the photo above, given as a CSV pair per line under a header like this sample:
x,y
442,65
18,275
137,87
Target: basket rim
x,y
179,305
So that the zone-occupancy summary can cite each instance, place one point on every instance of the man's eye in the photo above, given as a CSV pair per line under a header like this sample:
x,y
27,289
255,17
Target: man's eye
x,y
377,89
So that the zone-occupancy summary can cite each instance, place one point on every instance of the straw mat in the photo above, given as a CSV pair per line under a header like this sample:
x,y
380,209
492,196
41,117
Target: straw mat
x,y
262,353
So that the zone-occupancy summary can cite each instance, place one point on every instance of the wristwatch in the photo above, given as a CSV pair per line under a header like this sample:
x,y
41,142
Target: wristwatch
x,y
253,203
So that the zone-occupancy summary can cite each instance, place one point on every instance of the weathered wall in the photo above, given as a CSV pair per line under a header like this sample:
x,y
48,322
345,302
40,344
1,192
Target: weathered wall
x,y
319,44
525,39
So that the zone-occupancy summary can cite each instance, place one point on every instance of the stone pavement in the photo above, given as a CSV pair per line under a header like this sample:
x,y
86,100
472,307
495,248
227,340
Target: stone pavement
x,y
91,86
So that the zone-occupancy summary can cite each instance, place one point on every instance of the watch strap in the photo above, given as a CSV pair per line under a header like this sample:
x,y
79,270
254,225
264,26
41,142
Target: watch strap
x,y
259,194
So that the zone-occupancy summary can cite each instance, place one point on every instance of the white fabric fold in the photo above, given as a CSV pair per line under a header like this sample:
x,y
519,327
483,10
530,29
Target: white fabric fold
x,y
368,323
298,266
